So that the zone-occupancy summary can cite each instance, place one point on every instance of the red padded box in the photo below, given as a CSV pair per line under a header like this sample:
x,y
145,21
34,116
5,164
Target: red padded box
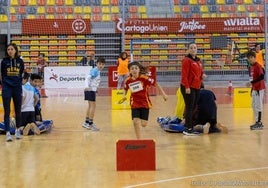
x,y
134,155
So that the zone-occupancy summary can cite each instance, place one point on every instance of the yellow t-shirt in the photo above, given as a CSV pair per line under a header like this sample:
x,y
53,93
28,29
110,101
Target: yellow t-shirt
x,y
122,66
259,58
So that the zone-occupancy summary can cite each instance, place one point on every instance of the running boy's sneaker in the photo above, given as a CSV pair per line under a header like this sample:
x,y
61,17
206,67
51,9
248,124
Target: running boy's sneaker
x,y
93,127
17,134
8,137
257,126
86,125
190,132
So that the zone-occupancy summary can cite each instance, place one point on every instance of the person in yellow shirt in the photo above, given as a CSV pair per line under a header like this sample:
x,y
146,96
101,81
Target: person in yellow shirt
x,y
259,55
122,69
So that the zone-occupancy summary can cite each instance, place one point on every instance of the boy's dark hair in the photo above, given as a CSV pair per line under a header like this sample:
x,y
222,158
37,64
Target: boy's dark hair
x,y
101,60
251,53
36,77
25,76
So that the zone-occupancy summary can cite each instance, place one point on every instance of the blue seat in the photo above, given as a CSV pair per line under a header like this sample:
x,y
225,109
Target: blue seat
x,y
3,2
78,2
195,9
184,2
257,1
132,2
141,2
87,2
96,2
2,10
31,10
229,2
211,2
213,8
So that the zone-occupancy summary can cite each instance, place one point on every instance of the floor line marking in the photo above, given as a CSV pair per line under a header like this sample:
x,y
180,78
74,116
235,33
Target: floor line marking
x,y
194,176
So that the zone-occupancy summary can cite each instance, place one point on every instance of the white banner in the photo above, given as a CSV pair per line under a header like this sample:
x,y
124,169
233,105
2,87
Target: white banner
x,y
65,77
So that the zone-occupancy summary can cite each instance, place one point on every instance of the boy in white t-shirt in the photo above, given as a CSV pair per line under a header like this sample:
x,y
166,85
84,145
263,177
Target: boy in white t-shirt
x,y
29,100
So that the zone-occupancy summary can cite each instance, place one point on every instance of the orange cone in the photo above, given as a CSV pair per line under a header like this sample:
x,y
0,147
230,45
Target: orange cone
x,y
230,88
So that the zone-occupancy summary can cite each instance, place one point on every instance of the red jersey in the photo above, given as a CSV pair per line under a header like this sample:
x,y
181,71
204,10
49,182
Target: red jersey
x,y
138,87
255,72
191,72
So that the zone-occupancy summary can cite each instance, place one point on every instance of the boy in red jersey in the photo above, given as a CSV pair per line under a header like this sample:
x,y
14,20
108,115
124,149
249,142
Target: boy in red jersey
x,y
138,83
258,88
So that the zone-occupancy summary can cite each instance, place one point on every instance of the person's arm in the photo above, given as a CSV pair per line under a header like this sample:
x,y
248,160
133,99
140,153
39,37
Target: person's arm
x,y
36,99
162,91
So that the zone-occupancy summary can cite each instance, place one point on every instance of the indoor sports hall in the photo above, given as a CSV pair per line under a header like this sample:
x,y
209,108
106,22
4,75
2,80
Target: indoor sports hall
x,y
157,34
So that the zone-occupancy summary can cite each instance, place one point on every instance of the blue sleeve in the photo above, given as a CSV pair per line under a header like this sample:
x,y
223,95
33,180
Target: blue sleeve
x,y
93,73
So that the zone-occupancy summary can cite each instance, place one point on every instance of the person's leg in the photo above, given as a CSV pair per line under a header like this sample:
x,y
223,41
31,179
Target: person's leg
x,y
189,100
120,81
137,123
17,99
6,98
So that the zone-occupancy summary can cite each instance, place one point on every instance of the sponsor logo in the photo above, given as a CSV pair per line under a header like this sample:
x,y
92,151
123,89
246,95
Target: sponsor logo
x,y
139,26
248,21
134,147
79,26
115,76
241,92
191,25
66,77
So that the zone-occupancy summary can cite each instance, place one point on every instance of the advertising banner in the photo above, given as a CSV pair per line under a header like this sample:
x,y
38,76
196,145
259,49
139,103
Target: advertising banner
x,y
66,77
55,26
191,25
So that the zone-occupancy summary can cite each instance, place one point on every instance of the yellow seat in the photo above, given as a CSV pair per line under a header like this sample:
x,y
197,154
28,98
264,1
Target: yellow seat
x,y
249,2
105,2
3,18
241,8
69,2
70,16
142,9
252,14
51,2
193,2
106,17
144,16
204,8
224,15
78,10
41,10
32,2
30,16
177,9
50,16
87,9
205,15
14,3
105,10
115,9
12,10
86,16
220,2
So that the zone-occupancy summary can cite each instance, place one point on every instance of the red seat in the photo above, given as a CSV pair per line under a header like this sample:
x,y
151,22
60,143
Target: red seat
x,y
21,10
22,2
59,2
50,10
114,2
96,10
41,2
96,18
